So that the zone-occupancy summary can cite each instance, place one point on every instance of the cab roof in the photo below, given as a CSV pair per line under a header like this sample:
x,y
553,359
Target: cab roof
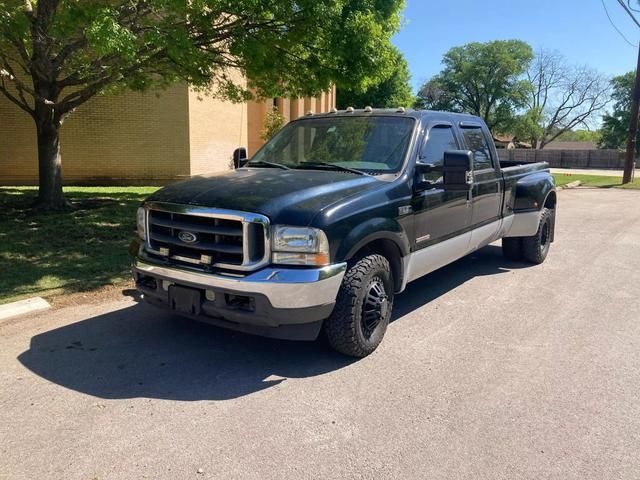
x,y
424,115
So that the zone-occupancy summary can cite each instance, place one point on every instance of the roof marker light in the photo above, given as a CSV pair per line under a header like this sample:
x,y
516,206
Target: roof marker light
x,y
309,113
400,110
349,109
368,109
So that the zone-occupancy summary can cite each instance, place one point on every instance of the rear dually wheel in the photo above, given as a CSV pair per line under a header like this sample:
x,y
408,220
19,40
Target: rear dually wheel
x,y
536,247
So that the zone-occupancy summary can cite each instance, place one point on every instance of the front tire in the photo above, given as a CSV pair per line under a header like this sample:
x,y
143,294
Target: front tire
x,y
363,308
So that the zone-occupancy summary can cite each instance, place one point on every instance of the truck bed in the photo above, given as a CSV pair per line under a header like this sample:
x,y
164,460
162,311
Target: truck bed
x,y
527,178
509,167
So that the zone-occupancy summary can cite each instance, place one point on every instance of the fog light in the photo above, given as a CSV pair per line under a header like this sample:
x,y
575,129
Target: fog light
x,y
148,282
240,302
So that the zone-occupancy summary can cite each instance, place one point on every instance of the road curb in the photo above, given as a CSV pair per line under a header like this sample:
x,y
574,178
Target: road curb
x,y
575,184
23,307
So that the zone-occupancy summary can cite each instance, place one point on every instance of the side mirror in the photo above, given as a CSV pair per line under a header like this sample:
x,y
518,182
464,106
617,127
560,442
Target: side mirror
x,y
239,157
457,170
422,169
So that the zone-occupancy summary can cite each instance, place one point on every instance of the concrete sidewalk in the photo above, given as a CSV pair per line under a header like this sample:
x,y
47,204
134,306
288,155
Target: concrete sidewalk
x,y
588,171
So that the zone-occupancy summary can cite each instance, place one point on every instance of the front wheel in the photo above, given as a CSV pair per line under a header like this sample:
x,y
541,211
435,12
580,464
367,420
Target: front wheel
x,y
363,308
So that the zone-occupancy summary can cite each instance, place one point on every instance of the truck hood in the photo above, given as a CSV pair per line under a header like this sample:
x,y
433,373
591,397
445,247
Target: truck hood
x,y
285,196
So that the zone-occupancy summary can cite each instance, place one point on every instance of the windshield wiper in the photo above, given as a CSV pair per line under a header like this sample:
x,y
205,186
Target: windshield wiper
x,y
270,164
334,167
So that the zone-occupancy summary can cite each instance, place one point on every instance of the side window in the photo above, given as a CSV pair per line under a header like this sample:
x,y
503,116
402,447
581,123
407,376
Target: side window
x,y
476,142
440,140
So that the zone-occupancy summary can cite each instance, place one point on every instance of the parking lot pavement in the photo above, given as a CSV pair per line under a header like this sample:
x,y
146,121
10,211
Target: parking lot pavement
x,y
490,369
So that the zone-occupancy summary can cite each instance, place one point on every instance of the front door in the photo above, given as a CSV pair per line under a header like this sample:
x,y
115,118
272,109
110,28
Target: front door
x,y
442,218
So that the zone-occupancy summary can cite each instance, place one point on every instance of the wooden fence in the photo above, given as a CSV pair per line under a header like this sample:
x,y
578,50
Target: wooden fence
x,y
566,158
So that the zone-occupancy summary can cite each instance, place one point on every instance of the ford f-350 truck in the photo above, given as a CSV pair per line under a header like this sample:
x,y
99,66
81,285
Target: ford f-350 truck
x,y
332,218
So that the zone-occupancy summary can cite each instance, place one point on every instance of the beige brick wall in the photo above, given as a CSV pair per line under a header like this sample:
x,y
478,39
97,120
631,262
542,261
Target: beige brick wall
x,y
216,129
17,145
150,138
125,138
290,110
256,112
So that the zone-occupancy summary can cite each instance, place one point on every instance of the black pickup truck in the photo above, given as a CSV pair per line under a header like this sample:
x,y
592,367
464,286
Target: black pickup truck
x,y
332,218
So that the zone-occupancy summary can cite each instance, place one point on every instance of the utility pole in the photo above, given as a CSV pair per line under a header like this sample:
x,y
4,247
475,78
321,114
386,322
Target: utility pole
x,y
633,120
633,128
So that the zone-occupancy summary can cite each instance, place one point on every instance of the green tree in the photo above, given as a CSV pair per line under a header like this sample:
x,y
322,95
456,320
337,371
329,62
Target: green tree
x,y
272,123
394,91
580,135
483,79
55,55
615,125
433,95
527,125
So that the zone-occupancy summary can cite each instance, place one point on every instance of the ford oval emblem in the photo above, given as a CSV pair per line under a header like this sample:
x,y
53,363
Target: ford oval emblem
x,y
187,237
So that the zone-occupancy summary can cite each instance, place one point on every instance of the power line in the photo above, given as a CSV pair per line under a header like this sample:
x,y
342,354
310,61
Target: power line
x,y
629,12
631,8
614,25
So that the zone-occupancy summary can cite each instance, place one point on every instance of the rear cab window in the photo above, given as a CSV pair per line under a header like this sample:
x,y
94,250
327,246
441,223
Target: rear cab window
x,y
476,141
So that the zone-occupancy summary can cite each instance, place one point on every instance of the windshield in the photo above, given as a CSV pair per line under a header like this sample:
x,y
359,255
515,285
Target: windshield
x,y
367,144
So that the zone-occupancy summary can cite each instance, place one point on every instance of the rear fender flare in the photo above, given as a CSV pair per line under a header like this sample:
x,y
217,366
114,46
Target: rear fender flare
x,y
526,223
532,191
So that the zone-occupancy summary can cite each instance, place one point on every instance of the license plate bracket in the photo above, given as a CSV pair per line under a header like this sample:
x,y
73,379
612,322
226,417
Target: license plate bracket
x,y
185,300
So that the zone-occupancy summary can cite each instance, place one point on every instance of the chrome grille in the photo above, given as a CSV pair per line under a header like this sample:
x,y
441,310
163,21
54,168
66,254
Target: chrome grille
x,y
207,237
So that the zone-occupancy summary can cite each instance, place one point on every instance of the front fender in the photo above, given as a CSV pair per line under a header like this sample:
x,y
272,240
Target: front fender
x,y
369,231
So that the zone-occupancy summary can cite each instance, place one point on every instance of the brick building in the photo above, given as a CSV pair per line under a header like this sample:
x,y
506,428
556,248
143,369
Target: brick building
x,y
144,138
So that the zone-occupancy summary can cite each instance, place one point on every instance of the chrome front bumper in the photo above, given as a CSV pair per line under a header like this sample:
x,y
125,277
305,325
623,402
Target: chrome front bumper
x,y
285,288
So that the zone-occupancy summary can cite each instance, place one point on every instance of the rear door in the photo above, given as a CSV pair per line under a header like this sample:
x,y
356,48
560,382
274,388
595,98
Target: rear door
x,y
440,215
486,195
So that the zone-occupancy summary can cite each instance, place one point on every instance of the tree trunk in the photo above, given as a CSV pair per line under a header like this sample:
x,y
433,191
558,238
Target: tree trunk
x,y
50,195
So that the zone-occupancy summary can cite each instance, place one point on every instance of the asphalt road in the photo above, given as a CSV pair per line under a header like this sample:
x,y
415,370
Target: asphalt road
x,y
490,369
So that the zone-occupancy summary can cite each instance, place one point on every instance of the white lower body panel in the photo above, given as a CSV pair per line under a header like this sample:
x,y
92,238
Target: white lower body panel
x,y
431,258
426,260
524,224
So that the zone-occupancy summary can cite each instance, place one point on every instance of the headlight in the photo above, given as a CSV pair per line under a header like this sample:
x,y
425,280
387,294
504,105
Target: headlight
x,y
142,223
299,246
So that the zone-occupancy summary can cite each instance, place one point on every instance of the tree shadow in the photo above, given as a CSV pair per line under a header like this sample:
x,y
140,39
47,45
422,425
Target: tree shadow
x,y
75,250
141,351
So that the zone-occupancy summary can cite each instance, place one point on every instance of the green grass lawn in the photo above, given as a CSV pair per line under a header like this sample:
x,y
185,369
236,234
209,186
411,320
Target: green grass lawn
x,y
85,248
595,181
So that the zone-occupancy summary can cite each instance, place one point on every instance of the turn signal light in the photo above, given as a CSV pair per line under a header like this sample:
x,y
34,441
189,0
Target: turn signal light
x,y
289,258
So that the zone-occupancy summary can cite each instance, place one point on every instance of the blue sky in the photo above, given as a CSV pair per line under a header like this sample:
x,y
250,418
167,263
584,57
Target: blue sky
x,y
579,29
